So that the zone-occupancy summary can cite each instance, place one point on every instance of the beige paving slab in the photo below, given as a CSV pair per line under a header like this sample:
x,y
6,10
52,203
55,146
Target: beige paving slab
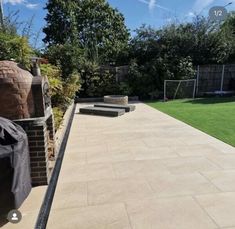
x,y
225,148
224,180
70,195
197,150
87,148
172,213
188,165
115,155
119,190
75,157
226,161
174,185
146,153
220,207
72,144
93,217
87,172
155,142
195,137
142,168
228,228
34,200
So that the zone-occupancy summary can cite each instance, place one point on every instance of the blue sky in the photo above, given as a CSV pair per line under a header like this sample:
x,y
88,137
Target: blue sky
x,y
156,13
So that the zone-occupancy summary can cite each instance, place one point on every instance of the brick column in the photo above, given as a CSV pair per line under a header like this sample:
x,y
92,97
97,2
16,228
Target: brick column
x,y
38,149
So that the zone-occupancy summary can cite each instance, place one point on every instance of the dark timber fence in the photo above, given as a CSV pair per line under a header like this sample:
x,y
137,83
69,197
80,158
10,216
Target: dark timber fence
x,y
211,79
215,78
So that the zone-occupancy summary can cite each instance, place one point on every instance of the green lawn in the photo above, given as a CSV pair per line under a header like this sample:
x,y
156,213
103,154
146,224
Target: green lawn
x,y
215,116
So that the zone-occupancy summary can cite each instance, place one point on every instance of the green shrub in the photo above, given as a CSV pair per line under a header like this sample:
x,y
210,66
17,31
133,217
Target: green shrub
x,y
14,47
125,88
95,81
147,79
58,116
62,90
53,74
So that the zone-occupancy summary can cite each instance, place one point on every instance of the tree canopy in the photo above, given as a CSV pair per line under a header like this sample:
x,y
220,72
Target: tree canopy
x,y
98,28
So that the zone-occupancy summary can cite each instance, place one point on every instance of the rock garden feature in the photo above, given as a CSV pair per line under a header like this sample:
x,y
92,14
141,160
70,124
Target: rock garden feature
x,y
118,106
116,99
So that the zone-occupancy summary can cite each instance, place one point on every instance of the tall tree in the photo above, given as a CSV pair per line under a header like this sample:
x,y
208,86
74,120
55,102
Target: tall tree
x,y
227,34
61,21
98,28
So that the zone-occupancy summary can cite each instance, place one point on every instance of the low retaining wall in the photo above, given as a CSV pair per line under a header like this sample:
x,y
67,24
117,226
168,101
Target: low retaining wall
x,y
59,136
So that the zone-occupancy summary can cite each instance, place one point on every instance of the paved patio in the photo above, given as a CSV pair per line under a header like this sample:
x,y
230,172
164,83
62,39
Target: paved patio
x,y
143,170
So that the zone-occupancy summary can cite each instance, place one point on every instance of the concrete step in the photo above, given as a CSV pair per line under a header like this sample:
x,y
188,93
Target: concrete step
x,y
127,108
102,111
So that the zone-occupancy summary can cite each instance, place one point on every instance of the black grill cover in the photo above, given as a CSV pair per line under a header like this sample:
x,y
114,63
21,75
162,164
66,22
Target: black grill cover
x,y
14,151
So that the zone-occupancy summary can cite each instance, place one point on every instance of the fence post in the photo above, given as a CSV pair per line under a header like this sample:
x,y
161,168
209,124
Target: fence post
x,y
164,90
222,79
194,89
197,83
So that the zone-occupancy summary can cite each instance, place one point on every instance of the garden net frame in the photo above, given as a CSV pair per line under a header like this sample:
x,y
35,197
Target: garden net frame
x,y
179,89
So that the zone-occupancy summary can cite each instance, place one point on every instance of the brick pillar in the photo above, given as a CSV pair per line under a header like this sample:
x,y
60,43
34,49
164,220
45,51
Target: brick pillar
x,y
38,149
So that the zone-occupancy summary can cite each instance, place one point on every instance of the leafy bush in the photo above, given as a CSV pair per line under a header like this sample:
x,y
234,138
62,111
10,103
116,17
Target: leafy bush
x,y
62,90
103,84
58,117
125,88
53,74
147,79
67,57
95,81
14,47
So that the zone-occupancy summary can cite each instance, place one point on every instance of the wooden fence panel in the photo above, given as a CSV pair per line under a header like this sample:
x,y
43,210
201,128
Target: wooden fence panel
x,y
210,77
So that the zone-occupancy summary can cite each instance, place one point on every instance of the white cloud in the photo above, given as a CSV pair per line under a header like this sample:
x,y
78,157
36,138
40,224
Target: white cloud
x,y
152,4
32,6
14,2
24,2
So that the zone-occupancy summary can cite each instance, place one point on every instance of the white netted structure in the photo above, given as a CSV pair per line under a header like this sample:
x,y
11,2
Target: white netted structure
x,y
179,89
